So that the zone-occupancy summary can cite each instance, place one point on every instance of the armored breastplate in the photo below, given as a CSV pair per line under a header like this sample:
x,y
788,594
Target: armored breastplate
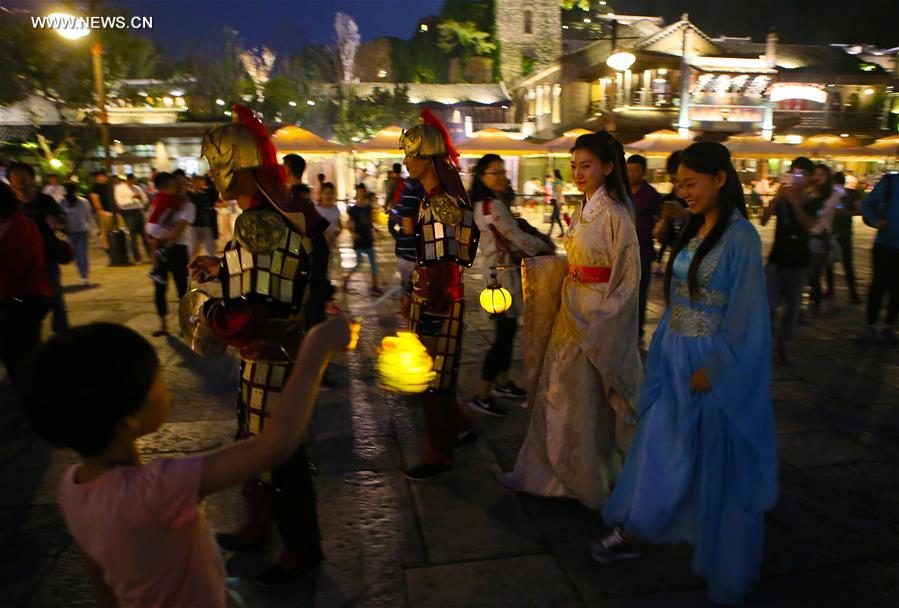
x,y
446,230
267,258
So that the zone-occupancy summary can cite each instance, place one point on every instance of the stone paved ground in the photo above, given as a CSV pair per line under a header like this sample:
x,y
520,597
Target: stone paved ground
x,y
464,541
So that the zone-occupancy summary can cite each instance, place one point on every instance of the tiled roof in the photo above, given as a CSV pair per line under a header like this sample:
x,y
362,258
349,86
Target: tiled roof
x,y
445,94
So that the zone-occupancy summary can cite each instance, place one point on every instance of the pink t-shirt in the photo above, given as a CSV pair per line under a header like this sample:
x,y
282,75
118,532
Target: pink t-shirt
x,y
142,526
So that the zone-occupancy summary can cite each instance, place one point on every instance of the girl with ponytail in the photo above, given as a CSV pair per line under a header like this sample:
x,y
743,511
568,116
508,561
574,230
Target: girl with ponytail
x,y
702,467
581,347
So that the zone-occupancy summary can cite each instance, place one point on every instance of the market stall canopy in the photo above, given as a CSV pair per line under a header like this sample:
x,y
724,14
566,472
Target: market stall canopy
x,y
658,143
890,145
564,143
756,146
860,153
826,144
385,142
498,142
296,140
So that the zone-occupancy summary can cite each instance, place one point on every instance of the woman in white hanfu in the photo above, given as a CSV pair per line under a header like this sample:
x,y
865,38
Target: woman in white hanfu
x,y
581,347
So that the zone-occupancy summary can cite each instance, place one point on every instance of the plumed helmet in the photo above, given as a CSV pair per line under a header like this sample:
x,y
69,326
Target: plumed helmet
x,y
429,138
242,144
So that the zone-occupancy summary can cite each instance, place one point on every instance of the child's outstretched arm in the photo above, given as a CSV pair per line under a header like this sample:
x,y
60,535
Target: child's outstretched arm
x,y
283,431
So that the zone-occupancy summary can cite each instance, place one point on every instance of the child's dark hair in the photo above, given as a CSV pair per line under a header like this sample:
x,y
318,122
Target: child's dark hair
x,y
710,158
69,403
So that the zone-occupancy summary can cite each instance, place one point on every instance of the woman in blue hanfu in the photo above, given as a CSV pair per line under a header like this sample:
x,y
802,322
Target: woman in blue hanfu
x,y
702,467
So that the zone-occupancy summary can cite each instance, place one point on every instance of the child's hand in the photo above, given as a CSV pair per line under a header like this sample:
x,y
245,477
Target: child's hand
x,y
333,334
204,268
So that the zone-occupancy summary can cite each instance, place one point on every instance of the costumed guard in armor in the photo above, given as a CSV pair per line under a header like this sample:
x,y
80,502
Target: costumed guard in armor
x,y
265,276
446,239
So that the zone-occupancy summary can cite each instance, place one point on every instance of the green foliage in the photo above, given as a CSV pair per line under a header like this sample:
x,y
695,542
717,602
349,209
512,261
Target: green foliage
x,y
39,61
360,118
584,5
528,64
464,39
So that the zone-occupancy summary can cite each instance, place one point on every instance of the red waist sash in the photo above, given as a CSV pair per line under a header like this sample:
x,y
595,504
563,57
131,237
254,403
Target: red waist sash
x,y
589,274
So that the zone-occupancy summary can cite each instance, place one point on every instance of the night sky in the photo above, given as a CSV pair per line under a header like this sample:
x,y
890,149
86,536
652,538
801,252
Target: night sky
x,y
288,24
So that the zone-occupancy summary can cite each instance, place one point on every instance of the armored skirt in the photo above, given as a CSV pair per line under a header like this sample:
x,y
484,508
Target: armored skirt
x,y
581,359
702,467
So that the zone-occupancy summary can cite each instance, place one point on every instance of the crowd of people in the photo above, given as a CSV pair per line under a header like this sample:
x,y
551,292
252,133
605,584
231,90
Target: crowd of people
x,y
678,445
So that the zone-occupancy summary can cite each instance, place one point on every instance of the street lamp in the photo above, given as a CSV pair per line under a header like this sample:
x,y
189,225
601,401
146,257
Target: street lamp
x,y
621,61
78,30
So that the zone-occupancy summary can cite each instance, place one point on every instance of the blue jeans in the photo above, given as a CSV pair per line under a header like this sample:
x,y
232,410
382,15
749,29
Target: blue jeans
x,y
372,261
79,245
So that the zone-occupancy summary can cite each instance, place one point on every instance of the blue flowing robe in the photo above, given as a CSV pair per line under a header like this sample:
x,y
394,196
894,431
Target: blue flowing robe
x,y
702,467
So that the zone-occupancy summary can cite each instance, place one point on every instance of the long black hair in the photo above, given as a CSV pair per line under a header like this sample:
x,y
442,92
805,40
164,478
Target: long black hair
x,y
71,193
609,150
826,190
478,191
710,158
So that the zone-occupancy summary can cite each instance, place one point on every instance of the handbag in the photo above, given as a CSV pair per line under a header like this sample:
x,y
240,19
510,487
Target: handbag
x,y
63,248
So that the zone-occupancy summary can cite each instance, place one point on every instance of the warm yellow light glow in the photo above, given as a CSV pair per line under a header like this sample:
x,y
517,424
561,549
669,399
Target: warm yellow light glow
x,y
621,61
69,26
869,91
55,163
496,300
404,365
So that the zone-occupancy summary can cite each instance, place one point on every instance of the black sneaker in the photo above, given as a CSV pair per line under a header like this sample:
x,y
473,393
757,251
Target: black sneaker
x,y
510,391
486,406
613,547
426,471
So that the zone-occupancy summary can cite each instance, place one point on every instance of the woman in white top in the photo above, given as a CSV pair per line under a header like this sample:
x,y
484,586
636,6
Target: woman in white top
x,y
503,243
78,221
585,370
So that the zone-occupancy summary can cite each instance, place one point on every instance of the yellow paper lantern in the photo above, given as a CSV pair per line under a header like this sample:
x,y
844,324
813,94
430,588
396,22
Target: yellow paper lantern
x,y
496,299
404,365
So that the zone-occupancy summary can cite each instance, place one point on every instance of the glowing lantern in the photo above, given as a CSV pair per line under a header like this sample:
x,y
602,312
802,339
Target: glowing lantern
x,y
496,299
404,364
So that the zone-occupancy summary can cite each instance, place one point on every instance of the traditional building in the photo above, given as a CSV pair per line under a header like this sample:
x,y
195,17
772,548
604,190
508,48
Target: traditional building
x,y
676,76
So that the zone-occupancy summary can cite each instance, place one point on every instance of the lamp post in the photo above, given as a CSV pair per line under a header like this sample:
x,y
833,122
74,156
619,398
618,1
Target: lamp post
x,y
74,33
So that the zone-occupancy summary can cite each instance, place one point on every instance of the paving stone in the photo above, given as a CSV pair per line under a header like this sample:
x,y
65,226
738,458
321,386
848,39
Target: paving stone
x,y
469,498
871,584
30,541
188,437
344,454
561,519
669,599
462,540
531,581
659,568
65,584
816,448
369,533
33,477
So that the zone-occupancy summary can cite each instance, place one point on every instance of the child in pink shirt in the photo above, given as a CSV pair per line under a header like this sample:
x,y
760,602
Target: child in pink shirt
x,y
138,525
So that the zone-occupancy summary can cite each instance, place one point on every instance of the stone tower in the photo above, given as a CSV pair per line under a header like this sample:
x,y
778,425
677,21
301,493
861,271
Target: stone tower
x,y
529,34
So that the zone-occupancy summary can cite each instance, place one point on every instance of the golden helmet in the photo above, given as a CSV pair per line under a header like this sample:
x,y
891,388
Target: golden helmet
x,y
228,149
428,138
